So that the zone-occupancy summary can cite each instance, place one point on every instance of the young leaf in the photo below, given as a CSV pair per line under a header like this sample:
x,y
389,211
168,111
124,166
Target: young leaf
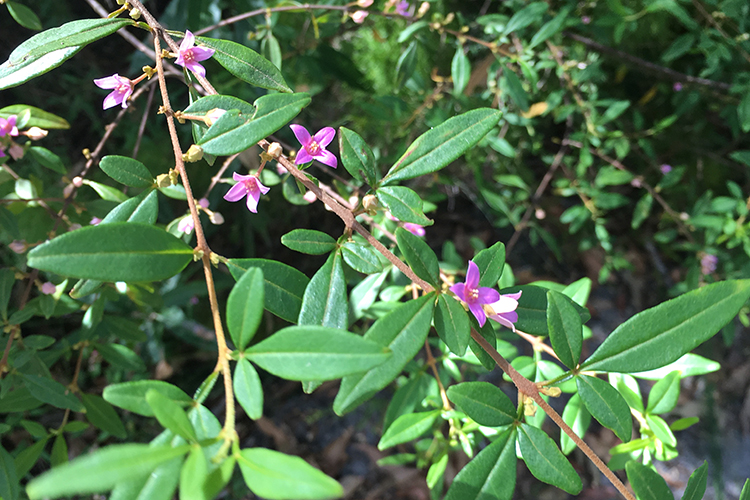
x,y
578,418
491,475
745,493
51,392
661,430
606,405
102,415
441,145
325,299
696,486
647,483
121,251
628,388
404,204
419,256
565,329
8,476
245,307
403,331
284,286
316,353
357,157
277,476
491,262
483,402
452,324
660,335
247,389
408,427
532,309
664,394
170,415
131,396
127,171
308,241
101,470
246,64
545,461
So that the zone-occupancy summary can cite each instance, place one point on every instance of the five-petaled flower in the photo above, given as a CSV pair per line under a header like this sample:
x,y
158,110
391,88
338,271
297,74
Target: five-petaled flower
x,y
246,185
8,127
189,55
504,310
474,295
314,147
123,89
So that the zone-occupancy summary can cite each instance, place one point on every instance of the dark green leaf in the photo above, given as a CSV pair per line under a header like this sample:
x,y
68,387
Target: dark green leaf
x,y
325,300
545,460
743,113
131,396
51,392
120,356
8,477
550,28
7,280
491,475
245,307
27,458
407,428
407,63
59,453
524,17
408,396
696,486
361,257
404,204
48,159
248,389
532,309
8,223
357,157
126,171
142,208
170,415
565,329
419,256
102,415
308,241
647,483
642,210
606,405
490,262
515,89
24,15
452,324
483,402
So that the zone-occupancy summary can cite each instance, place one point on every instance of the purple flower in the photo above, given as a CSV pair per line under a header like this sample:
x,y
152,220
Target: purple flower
x,y
708,264
246,185
414,229
474,295
505,310
123,89
189,55
665,169
402,7
186,224
677,86
48,288
585,19
314,147
95,221
8,127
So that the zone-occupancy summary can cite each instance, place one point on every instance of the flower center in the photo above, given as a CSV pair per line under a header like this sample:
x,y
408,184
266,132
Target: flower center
x,y
472,294
123,88
250,185
188,56
313,148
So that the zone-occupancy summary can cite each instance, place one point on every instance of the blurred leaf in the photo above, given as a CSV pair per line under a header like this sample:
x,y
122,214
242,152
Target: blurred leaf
x,y
460,70
39,117
419,256
245,307
550,28
545,461
661,430
407,63
565,329
120,356
524,17
647,483
126,171
59,453
743,113
9,487
25,460
51,392
102,415
248,389
131,396
7,280
170,415
642,210
48,159
325,299
24,15
515,88
193,475
308,241
452,324
407,428
606,405
680,46
404,204
483,402
357,157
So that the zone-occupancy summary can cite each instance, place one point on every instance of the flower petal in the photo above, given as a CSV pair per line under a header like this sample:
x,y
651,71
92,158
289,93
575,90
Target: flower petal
x,y
478,313
187,42
108,82
240,177
202,53
303,157
459,290
263,189
487,295
472,275
197,68
505,321
301,133
112,100
504,305
324,136
328,158
236,192
252,201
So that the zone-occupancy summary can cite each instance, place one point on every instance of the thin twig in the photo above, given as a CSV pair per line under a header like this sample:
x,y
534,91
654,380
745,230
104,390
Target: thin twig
x,y
142,126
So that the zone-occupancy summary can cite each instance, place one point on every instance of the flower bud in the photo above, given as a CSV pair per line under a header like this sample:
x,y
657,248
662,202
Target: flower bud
x,y
36,133
193,154
77,181
16,151
275,150
173,176
135,13
423,9
216,218
364,3
213,115
370,202
203,202
48,288
163,180
359,16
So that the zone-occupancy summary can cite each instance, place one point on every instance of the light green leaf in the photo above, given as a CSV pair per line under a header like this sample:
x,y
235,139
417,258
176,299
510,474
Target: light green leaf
x,y
193,475
107,193
419,256
660,335
441,145
325,300
357,157
545,461
284,286
579,291
316,353
745,493
642,210
50,48
578,418
51,392
491,475
276,476
170,415
24,15
483,402
407,428
689,365
308,241
606,405
39,117
101,470
696,486
361,257
452,324
126,171
248,389
246,64
565,329
102,415
245,307
664,394
131,396
532,309
647,483
404,204
661,430
490,262
460,70
120,251
48,159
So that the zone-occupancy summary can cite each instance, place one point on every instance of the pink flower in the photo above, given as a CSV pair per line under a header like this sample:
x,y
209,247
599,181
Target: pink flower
x,y
16,151
364,3
474,295
246,185
414,229
504,310
189,55
8,127
186,224
18,246
203,202
665,169
48,288
359,16
677,86
2,153
585,19
402,7
123,89
314,147
708,264
95,221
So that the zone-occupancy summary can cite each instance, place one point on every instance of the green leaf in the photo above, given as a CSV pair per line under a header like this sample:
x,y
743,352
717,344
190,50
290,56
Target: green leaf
x,y
491,262
441,145
647,483
25,460
515,89
51,392
611,176
235,132
409,396
696,486
526,16
120,356
9,224
549,28
7,280
491,475
316,353
127,171
59,453
565,329
406,64
245,307
482,356
419,256
628,388
689,365
9,488
606,405
50,48
193,475
460,70
661,430
170,415
681,45
308,241
578,418
246,64
404,204
545,460
660,335
642,210
579,291
408,427
120,251
745,493
403,331
743,113
325,300
131,396
48,159
361,257
218,479
39,117
18,400
142,208
24,15
483,402
664,394
248,389
283,286
101,470
107,193
532,309
103,416
452,324
276,476
357,157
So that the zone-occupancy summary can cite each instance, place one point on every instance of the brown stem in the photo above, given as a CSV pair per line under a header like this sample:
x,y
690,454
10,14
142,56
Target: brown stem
x,y
431,362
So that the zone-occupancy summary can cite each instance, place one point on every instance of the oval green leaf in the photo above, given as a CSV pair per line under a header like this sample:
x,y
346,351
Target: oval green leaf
x,y
647,483
483,402
404,204
545,460
51,392
39,117
696,486
664,394
578,418
407,428
532,309
361,257
48,159
248,389
245,307
127,171
308,241
131,396
24,15
491,262
606,405
452,324
419,256
102,415
325,300
357,157
170,415
565,328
